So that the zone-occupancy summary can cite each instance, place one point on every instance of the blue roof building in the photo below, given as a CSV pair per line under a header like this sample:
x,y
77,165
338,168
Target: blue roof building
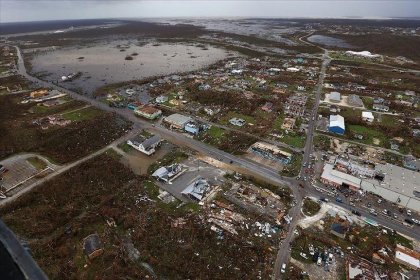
x,y
337,124
192,128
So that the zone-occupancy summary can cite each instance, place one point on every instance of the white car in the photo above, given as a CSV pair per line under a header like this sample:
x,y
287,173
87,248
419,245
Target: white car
x,y
283,268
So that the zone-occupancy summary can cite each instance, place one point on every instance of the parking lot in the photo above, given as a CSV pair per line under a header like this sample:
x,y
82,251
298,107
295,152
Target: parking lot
x,y
195,169
20,173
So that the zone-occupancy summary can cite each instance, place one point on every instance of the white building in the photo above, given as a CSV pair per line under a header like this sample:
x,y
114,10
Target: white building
x,y
337,124
367,116
335,97
237,122
292,69
147,147
177,121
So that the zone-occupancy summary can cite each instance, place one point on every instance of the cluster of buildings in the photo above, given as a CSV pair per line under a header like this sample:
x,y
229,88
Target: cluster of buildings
x,y
295,105
48,121
271,152
393,183
42,95
184,123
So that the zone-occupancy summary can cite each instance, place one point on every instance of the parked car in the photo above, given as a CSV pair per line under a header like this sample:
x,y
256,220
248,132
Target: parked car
x,y
283,268
319,262
373,212
338,199
355,212
408,221
303,255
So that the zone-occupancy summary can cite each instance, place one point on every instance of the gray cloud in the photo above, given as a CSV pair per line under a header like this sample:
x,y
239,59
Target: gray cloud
x,y
29,10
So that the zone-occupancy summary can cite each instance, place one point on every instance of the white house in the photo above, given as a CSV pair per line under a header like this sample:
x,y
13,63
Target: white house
x,y
147,147
367,116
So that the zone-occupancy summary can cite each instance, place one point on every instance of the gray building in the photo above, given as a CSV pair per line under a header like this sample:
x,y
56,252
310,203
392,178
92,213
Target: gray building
x,y
354,100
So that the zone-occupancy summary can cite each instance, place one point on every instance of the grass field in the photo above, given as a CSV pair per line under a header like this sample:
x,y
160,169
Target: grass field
x,y
369,135
310,207
83,114
36,162
294,139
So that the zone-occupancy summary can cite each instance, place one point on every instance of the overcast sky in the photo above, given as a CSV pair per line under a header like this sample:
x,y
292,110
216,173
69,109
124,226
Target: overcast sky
x,y
31,10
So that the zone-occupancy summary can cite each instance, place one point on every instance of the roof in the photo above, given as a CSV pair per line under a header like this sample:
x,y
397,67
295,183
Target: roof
x,y
178,119
271,148
148,110
151,141
160,172
398,179
339,177
367,115
338,228
197,189
407,255
363,53
335,95
337,120
355,100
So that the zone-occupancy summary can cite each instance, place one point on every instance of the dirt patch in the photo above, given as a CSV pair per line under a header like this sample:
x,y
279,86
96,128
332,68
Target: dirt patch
x,y
139,163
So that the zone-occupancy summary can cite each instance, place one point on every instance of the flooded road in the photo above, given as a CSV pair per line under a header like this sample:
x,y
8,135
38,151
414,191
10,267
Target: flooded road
x,y
120,61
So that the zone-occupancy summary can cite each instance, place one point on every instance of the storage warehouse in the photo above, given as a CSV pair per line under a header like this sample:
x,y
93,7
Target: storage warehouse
x,y
177,121
337,124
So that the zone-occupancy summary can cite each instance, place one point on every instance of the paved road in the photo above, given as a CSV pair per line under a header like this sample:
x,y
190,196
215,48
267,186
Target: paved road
x,y
252,168
283,254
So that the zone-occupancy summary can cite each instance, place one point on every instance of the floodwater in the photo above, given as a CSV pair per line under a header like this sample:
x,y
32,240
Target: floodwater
x,y
329,41
105,63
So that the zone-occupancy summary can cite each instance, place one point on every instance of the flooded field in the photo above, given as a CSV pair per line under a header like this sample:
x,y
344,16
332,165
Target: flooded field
x,y
329,41
120,61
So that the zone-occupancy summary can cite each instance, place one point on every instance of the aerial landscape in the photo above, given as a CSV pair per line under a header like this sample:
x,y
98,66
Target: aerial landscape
x,y
209,140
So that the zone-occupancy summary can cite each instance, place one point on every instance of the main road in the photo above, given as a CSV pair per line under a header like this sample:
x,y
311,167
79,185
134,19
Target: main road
x,y
250,167
283,254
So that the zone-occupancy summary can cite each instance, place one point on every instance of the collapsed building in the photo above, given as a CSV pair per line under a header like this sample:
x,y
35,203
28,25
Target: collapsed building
x,y
271,152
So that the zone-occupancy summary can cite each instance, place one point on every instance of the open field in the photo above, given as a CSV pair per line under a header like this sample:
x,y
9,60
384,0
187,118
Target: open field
x,y
61,144
138,235
310,207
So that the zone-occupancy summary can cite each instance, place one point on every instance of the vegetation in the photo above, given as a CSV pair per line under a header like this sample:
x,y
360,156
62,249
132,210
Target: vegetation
x,y
83,114
175,156
102,196
310,207
61,144
293,168
38,163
